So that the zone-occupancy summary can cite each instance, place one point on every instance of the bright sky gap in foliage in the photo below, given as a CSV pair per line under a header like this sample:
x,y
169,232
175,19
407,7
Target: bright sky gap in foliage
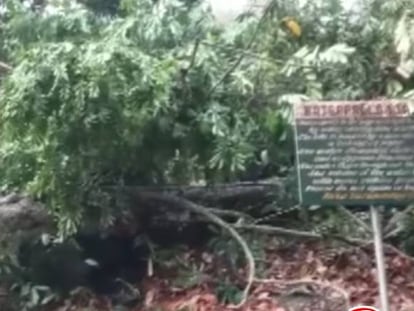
x,y
229,9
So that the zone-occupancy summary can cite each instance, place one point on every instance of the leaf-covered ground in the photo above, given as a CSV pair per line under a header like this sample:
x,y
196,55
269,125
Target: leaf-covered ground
x,y
301,270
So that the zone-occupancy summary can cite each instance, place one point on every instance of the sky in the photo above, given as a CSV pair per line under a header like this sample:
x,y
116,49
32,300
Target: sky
x,y
227,10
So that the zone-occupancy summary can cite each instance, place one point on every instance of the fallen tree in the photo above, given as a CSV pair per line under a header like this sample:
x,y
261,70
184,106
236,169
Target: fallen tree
x,y
234,200
21,214
219,194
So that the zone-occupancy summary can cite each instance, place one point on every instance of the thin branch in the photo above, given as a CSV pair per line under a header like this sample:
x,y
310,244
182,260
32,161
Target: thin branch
x,y
356,219
226,74
398,252
311,235
241,57
351,242
300,234
276,214
257,56
188,205
392,233
394,220
194,54
231,213
5,66
280,231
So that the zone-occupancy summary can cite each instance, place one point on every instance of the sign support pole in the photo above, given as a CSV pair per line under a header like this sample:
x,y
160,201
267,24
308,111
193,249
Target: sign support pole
x,y
379,254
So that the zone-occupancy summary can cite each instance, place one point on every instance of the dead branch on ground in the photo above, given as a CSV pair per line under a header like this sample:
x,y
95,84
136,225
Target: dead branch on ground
x,y
188,205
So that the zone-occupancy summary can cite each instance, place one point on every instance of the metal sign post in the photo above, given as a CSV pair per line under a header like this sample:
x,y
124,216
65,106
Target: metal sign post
x,y
379,256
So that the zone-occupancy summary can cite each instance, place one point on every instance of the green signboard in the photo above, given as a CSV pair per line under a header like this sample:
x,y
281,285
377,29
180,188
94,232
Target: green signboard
x,y
355,153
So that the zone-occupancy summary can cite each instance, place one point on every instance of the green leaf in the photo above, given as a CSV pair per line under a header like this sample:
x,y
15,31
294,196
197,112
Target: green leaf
x,y
394,88
402,39
338,53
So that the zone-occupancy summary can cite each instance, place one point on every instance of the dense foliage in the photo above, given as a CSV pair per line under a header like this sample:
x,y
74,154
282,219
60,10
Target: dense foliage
x,y
96,93
156,92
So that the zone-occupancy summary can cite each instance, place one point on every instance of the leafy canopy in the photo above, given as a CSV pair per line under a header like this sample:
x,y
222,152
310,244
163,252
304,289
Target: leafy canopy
x,y
156,93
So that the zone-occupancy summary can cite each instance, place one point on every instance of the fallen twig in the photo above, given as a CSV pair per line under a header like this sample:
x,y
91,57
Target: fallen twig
x,y
188,205
310,235
231,213
300,234
355,218
398,252
280,231
389,229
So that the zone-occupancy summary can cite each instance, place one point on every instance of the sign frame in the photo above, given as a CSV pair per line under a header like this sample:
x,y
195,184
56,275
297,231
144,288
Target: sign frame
x,y
390,115
360,114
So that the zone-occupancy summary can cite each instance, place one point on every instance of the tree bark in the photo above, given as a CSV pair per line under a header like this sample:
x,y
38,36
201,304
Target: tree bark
x,y
20,213
274,188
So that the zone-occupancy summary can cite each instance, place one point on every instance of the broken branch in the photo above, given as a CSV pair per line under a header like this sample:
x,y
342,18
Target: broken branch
x,y
356,219
5,66
188,205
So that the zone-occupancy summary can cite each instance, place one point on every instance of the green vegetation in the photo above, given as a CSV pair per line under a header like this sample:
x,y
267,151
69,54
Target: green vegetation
x,y
158,93
154,93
